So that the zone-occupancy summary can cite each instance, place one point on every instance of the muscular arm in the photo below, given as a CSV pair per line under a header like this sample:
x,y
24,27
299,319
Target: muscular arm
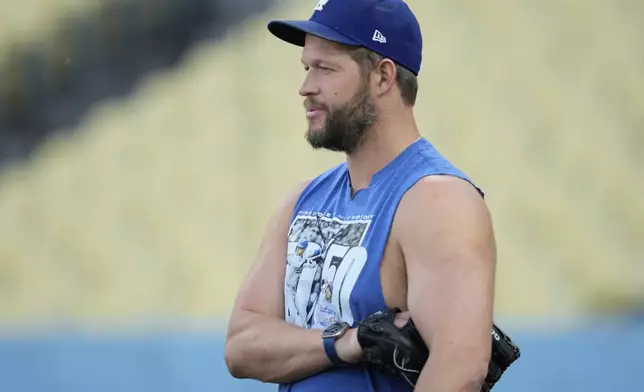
x,y
446,235
260,344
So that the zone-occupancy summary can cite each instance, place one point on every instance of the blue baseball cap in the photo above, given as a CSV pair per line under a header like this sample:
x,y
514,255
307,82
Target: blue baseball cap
x,y
387,27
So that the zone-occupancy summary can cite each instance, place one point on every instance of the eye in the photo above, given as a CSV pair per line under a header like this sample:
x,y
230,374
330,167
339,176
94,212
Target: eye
x,y
318,67
323,68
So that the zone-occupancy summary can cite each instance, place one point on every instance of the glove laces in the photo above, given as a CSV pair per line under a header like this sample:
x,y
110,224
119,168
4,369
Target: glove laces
x,y
401,366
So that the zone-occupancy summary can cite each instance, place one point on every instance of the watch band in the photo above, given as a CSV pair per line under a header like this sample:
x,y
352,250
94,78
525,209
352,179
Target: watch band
x,y
329,348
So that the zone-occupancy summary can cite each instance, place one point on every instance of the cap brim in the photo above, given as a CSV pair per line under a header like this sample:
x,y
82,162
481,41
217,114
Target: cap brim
x,y
295,31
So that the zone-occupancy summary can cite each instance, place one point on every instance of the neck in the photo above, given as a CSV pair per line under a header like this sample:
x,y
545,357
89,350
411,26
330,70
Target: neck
x,y
387,139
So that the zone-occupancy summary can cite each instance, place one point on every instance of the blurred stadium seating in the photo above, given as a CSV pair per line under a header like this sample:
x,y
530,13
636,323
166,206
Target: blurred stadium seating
x,y
55,71
138,207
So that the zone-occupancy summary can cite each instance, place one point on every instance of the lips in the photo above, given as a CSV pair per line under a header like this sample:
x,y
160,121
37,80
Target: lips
x,y
313,110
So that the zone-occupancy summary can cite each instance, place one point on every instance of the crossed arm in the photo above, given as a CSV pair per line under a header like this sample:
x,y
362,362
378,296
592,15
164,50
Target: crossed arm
x,y
444,230
260,344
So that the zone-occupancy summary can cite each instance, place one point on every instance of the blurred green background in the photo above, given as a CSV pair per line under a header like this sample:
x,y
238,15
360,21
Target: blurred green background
x,y
143,144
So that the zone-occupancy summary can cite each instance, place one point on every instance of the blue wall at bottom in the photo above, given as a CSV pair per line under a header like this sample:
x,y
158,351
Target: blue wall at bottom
x,y
599,358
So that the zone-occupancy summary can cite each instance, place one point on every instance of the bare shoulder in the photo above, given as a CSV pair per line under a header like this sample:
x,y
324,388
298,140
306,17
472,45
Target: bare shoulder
x,y
291,197
442,204
443,221
445,190
284,210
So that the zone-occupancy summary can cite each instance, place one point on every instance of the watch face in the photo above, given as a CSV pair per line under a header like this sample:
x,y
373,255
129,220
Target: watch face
x,y
335,329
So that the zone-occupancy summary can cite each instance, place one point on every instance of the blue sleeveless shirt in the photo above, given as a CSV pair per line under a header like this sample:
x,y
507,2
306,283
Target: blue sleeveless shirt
x,y
335,245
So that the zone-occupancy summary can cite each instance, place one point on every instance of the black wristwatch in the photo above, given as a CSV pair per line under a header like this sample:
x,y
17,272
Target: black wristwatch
x,y
332,333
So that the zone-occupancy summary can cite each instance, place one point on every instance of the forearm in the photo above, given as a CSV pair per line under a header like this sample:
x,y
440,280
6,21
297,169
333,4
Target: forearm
x,y
271,350
452,374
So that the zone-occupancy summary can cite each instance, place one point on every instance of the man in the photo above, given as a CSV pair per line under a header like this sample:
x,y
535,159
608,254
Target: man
x,y
397,225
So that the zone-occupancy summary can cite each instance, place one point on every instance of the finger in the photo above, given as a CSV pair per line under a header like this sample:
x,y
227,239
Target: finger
x,y
400,321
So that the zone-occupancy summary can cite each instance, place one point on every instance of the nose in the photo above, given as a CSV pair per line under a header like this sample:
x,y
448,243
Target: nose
x,y
309,87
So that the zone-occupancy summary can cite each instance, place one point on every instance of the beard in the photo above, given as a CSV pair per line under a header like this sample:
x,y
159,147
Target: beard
x,y
345,127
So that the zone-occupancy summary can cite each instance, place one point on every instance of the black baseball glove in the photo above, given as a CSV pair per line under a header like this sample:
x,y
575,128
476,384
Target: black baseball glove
x,y
402,352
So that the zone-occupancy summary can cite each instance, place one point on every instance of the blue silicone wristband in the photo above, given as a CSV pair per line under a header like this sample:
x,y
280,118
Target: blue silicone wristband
x,y
329,348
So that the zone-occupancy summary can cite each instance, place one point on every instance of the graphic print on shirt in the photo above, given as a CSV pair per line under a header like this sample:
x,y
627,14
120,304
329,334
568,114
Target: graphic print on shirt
x,y
324,260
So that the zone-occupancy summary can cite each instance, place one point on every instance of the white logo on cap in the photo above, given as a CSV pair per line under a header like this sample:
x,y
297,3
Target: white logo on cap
x,y
320,5
378,37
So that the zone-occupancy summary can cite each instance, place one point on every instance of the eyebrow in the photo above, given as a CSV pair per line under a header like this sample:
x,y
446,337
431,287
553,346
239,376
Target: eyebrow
x,y
318,62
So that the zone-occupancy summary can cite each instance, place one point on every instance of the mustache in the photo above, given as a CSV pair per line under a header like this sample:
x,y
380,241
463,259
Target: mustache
x,y
311,103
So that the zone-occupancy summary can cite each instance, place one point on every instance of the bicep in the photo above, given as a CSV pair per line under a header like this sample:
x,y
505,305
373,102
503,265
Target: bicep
x,y
449,249
262,290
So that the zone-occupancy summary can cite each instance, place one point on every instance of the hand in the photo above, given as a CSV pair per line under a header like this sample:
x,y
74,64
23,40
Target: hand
x,y
348,348
401,319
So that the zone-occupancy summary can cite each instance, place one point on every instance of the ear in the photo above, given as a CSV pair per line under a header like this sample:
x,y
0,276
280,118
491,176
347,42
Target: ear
x,y
385,78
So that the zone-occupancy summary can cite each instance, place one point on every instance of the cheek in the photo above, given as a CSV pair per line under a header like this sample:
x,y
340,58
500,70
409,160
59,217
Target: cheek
x,y
337,97
338,89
